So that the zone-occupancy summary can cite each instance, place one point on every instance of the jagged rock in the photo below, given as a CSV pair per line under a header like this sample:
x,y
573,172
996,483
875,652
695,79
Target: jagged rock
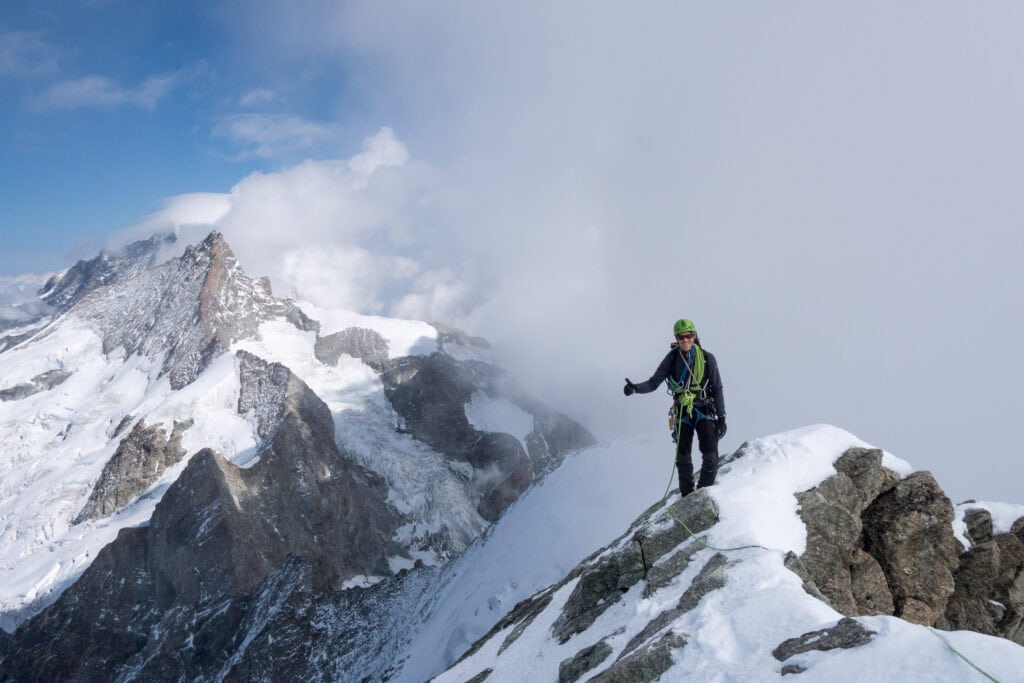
x,y
844,635
572,669
366,345
430,394
262,390
710,578
909,530
979,525
39,383
646,664
1017,528
480,677
667,569
64,289
989,591
792,669
186,311
447,335
122,425
9,341
139,461
864,468
603,581
869,586
184,584
849,579
522,615
794,564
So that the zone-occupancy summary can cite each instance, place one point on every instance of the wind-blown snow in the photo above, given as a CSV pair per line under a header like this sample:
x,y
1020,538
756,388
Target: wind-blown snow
x,y
731,632
499,415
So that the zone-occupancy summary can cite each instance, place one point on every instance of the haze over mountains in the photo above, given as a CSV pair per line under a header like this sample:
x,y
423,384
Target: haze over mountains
x,y
203,480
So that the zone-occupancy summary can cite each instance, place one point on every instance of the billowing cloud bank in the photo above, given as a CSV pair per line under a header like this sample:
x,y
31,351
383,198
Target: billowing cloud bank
x,y
832,196
353,233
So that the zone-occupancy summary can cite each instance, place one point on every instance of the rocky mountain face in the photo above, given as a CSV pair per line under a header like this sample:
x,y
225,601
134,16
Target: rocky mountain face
x,y
315,518
877,543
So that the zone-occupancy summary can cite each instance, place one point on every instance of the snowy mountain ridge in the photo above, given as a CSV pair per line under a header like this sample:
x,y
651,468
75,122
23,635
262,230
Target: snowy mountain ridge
x,y
103,404
202,481
712,587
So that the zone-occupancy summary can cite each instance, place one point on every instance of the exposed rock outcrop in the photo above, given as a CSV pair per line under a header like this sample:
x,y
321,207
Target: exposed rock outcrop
x,y
602,583
909,530
42,382
989,583
661,542
573,668
880,545
430,394
849,578
186,311
64,289
186,583
366,345
844,635
139,461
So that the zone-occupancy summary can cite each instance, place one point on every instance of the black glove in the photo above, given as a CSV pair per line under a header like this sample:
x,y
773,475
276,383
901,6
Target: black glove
x,y
629,389
721,428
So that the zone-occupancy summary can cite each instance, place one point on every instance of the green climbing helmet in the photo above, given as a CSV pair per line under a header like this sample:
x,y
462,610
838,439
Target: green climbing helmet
x,y
683,326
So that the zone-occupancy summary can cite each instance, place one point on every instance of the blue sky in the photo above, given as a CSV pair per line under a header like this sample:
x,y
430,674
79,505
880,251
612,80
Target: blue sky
x,y
108,107
830,190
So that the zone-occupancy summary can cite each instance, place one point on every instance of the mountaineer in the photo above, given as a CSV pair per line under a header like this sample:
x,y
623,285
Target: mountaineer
x,y
697,403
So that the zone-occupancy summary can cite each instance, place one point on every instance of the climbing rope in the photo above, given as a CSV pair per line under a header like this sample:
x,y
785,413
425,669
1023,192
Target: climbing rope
x,y
961,656
704,543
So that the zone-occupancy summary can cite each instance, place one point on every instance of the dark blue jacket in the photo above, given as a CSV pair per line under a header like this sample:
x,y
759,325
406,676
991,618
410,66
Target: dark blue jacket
x,y
709,395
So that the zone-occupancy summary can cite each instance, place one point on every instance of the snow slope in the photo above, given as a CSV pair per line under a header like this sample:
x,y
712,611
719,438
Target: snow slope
x,y
582,505
731,632
56,443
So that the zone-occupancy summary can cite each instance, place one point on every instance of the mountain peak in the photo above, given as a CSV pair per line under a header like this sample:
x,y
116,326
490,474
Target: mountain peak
x,y
66,288
187,310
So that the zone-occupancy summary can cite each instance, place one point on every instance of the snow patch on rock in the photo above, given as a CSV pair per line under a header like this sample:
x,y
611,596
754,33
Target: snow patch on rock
x,y
489,414
405,337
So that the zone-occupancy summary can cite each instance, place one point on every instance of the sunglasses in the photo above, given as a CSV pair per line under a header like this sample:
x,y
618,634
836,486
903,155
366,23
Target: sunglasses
x,y
681,337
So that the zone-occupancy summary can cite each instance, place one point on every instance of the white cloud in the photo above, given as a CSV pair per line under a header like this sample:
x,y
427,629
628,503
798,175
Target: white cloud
x,y
105,93
26,54
351,233
257,97
185,215
820,190
270,135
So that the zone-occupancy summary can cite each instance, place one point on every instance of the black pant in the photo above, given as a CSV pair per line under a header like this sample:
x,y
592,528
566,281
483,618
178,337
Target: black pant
x,y
707,435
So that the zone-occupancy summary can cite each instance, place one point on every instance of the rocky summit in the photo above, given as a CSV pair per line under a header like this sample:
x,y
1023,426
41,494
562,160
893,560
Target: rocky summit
x,y
761,577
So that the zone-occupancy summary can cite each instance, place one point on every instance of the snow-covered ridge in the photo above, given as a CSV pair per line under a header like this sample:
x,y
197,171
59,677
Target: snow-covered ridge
x,y
725,615
152,344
